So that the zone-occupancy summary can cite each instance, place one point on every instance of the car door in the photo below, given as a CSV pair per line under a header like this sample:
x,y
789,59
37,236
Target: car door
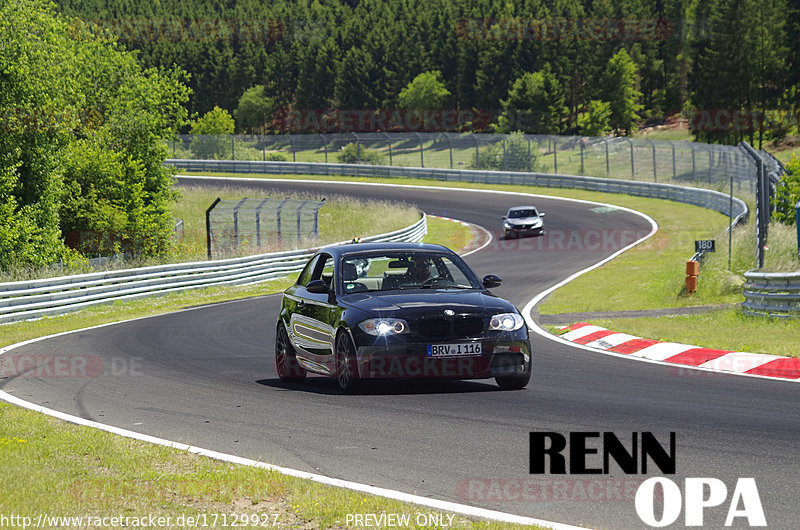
x,y
311,323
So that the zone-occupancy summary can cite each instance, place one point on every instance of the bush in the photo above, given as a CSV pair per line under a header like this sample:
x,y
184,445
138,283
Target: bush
x,y
354,154
276,157
516,155
788,194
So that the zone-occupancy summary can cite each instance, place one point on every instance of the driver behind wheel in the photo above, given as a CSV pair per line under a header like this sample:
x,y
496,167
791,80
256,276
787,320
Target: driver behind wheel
x,y
419,271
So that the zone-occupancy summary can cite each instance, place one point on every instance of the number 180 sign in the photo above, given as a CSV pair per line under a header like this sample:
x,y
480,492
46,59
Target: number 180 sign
x,y
706,245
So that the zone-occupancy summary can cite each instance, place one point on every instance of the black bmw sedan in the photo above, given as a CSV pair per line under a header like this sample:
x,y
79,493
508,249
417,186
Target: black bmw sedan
x,y
398,310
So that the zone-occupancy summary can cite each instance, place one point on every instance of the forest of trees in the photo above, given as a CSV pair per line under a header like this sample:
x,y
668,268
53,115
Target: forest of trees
x,y
721,62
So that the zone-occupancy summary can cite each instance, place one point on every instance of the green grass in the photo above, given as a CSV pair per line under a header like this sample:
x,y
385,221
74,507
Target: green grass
x,y
726,329
50,467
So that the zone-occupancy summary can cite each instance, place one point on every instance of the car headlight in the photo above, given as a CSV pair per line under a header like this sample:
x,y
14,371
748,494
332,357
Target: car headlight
x,y
507,225
384,326
506,322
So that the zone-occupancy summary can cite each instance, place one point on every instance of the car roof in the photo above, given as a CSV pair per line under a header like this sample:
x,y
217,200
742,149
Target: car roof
x,y
514,208
352,248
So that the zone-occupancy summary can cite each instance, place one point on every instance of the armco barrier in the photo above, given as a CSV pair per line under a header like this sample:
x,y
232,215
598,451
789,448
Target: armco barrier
x,y
713,200
36,298
773,294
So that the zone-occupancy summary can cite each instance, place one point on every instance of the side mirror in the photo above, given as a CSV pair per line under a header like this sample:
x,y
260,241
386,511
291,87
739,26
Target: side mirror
x,y
317,287
490,280
541,214
504,218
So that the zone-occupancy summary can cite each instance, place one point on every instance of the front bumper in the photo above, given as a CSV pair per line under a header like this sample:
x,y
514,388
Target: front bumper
x,y
410,360
523,231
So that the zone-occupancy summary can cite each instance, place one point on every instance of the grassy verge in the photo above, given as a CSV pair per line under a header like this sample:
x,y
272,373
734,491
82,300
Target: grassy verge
x,y
62,470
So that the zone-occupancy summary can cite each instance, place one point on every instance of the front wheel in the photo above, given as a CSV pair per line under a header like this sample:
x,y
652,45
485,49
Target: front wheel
x,y
286,364
514,381
346,373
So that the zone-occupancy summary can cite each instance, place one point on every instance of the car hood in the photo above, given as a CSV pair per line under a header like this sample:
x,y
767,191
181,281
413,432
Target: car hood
x,y
427,301
523,220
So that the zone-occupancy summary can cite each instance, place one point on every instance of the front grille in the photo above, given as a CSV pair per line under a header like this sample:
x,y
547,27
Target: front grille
x,y
449,327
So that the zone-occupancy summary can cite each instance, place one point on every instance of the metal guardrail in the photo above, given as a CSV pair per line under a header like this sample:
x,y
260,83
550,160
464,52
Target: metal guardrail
x,y
705,198
772,294
32,299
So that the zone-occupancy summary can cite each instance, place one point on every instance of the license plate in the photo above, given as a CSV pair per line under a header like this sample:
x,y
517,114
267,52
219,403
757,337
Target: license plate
x,y
454,350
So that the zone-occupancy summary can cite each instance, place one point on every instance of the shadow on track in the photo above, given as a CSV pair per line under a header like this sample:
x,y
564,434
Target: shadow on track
x,y
328,386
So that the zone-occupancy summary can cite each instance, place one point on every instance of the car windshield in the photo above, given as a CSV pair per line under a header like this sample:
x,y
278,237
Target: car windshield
x,y
394,271
518,214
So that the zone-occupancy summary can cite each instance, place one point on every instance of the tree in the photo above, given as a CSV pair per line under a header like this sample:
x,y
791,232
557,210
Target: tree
x,y
618,87
535,104
426,91
254,111
209,130
596,120
84,123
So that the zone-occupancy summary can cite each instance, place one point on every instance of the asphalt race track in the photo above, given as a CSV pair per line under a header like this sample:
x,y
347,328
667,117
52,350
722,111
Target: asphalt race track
x,y
205,377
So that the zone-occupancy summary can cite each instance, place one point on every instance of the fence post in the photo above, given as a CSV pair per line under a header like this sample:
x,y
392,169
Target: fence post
x,y
633,164
694,167
291,146
389,142
582,170
530,160
299,213
236,223
316,217
674,167
233,147
503,141
421,151
278,219
655,171
450,145
258,221
477,154
209,233
555,156
608,170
